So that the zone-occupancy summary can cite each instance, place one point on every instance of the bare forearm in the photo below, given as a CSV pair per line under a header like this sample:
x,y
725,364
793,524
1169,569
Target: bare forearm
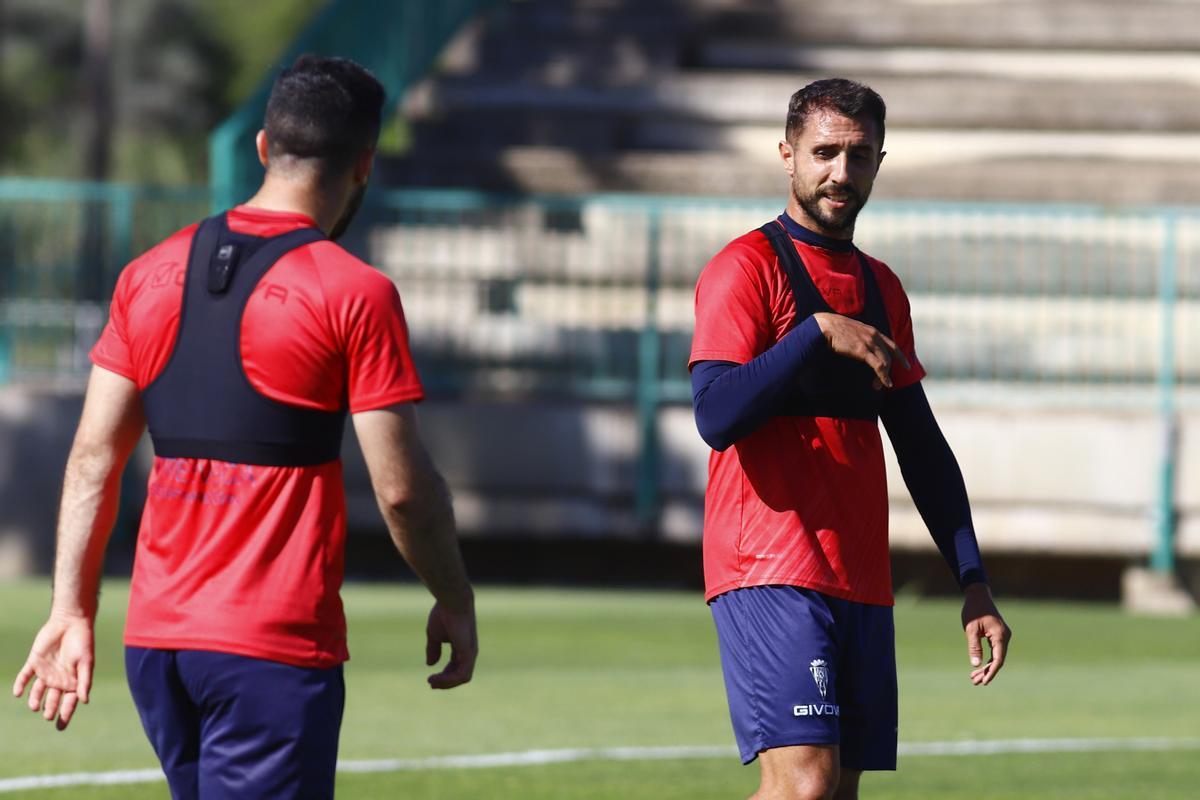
x,y
91,491
422,528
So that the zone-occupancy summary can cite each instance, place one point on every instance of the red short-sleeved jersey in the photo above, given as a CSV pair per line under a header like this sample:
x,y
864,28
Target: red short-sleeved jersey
x,y
802,500
241,558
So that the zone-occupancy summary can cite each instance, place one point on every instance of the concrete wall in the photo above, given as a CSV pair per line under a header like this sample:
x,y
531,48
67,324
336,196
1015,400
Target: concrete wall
x,y
1072,483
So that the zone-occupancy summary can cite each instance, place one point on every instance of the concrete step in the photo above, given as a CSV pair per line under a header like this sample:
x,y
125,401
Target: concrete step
x,y
964,166
694,102
1099,65
618,42
1047,24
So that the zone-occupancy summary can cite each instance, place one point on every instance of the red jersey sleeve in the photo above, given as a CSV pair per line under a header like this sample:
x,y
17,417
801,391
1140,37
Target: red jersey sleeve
x,y
112,350
895,300
733,320
379,366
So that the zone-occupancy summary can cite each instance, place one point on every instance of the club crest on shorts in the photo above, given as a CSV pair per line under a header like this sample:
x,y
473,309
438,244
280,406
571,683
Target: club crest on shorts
x,y
820,673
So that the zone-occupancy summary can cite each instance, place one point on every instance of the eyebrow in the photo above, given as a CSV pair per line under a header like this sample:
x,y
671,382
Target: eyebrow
x,y
861,146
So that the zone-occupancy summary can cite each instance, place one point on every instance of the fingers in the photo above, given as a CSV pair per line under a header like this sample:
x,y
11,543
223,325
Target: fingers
x,y
458,670
433,649
22,680
53,697
453,675
997,635
458,630
999,641
84,684
36,695
999,649
974,646
886,352
860,341
878,353
55,705
69,701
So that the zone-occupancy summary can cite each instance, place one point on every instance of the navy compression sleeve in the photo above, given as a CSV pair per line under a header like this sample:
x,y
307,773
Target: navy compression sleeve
x,y
731,400
934,480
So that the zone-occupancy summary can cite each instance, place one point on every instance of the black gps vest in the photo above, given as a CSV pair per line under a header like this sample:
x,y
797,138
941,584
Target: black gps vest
x,y
202,405
839,386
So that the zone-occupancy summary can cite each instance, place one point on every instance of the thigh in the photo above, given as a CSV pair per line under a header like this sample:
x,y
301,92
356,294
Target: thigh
x,y
169,716
268,730
868,692
778,656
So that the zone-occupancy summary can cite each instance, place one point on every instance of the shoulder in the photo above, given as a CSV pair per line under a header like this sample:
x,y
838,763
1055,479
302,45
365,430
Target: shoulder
x,y
889,282
748,257
749,249
162,264
342,275
355,294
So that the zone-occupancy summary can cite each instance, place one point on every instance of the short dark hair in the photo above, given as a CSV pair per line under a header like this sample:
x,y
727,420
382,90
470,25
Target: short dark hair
x,y
846,97
327,109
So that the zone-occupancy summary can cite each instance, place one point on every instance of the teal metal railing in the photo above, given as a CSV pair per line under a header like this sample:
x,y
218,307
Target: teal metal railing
x,y
62,245
591,297
398,41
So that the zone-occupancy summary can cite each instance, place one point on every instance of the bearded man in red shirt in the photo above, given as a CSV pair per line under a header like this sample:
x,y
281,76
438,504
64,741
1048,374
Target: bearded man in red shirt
x,y
803,344
242,343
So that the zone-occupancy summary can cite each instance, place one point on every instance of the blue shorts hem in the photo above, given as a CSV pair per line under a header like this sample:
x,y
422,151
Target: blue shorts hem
x,y
786,741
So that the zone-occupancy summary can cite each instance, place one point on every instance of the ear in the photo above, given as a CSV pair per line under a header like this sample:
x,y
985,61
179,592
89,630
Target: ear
x,y
363,167
260,143
879,163
788,154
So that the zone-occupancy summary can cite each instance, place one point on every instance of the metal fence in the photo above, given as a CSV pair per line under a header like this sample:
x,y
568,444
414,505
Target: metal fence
x,y
592,296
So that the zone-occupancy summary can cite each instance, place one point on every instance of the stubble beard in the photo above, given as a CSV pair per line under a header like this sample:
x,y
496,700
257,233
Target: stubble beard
x,y
836,222
352,207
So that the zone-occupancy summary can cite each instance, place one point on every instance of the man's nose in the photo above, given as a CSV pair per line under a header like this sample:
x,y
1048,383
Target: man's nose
x,y
839,169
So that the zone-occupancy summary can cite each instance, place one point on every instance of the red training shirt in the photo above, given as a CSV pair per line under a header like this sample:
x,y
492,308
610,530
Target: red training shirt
x,y
248,559
801,501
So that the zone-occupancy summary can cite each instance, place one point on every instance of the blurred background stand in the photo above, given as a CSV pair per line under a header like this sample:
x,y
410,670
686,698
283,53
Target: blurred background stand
x,y
554,178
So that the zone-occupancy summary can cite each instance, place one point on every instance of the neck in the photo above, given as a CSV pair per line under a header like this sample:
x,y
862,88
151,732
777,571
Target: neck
x,y
300,196
802,232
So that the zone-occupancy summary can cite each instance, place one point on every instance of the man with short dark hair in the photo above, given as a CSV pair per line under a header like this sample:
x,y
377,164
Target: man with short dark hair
x,y
241,343
802,344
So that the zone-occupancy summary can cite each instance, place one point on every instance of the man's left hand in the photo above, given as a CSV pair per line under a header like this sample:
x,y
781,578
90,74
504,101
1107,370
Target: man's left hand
x,y
60,668
981,620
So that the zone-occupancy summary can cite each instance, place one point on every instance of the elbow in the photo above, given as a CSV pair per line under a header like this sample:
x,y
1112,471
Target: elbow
x,y
94,464
715,436
414,496
396,498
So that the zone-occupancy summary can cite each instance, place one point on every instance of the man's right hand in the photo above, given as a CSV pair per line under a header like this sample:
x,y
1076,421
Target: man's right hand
x,y
60,665
853,339
455,627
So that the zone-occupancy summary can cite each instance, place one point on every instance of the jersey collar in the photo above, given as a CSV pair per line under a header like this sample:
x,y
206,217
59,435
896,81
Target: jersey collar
x,y
803,234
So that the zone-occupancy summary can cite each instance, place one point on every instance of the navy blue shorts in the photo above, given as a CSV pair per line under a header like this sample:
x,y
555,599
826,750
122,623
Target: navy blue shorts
x,y
803,668
226,726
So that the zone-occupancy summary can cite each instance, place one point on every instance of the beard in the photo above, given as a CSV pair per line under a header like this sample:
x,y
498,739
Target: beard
x,y
352,207
838,220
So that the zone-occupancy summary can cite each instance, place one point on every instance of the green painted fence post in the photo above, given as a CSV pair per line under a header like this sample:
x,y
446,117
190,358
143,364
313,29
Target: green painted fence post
x,y
1162,557
120,222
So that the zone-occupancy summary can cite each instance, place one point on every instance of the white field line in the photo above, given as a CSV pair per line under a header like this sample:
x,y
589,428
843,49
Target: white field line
x,y
539,757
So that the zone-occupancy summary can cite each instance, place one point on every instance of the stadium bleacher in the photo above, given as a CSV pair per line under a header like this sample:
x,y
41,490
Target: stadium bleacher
x,y
574,164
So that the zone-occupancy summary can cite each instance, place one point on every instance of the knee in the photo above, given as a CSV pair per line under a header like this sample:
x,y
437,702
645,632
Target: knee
x,y
813,790
809,786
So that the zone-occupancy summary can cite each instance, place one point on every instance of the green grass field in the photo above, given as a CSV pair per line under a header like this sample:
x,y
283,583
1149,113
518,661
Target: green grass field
x,y
590,669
